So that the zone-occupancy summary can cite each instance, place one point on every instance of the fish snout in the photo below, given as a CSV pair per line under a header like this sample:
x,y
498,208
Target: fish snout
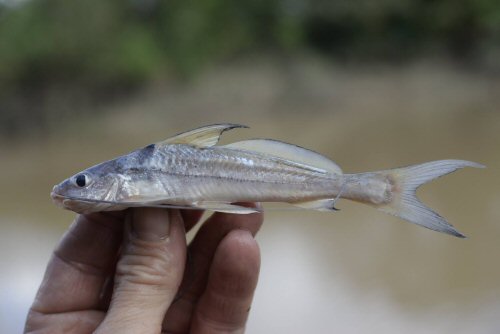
x,y
56,197
68,203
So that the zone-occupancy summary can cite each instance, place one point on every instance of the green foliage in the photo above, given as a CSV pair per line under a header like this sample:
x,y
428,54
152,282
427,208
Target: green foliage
x,y
389,29
81,41
94,42
194,33
99,46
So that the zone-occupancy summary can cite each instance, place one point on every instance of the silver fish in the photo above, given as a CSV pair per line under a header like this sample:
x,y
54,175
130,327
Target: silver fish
x,y
189,171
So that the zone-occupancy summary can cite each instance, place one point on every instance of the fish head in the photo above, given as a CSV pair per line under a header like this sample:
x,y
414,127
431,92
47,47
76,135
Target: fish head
x,y
91,190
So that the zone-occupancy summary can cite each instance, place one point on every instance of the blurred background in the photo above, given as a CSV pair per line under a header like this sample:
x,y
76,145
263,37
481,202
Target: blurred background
x,y
372,84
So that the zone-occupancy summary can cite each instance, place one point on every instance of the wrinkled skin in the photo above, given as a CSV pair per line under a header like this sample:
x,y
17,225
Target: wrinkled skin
x,y
126,272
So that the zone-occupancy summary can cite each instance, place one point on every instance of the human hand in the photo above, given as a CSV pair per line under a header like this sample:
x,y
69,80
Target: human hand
x,y
126,272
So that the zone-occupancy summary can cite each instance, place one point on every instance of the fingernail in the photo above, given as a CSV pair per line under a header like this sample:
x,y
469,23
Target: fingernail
x,y
150,224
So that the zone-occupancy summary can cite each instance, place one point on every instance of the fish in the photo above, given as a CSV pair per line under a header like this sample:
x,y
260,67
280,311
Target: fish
x,y
190,171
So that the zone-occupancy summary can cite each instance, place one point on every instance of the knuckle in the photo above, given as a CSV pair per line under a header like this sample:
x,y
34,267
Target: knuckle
x,y
146,264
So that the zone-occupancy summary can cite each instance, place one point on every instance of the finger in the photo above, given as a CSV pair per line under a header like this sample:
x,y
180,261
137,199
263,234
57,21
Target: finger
x,y
201,251
225,304
76,322
148,273
190,218
206,241
80,265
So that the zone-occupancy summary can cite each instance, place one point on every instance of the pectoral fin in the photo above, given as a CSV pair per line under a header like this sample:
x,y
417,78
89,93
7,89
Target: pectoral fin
x,y
205,136
201,205
82,205
224,207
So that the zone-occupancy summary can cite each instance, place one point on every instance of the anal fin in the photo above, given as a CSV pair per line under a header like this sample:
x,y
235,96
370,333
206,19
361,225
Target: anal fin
x,y
319,205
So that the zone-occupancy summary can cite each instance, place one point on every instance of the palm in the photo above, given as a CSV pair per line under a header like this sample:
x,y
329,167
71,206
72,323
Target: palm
x,y
80,294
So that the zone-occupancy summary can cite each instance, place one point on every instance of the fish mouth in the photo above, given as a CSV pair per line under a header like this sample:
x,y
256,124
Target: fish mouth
x,y
78,205
65,202
57,198
70,204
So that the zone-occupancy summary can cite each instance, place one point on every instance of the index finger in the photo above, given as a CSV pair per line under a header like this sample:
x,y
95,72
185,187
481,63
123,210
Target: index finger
x,y
81,263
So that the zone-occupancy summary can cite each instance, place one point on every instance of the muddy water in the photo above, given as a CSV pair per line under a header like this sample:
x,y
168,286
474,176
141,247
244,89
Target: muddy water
x,y
354,271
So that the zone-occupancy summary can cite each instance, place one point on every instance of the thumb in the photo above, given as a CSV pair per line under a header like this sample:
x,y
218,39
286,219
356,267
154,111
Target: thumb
x,y
148,273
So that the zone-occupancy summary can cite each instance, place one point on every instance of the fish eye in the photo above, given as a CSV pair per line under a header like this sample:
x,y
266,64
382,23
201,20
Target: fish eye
x,y
82,180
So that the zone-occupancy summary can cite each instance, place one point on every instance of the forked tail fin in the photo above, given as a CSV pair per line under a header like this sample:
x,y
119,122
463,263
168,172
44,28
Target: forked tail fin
x,y
405,203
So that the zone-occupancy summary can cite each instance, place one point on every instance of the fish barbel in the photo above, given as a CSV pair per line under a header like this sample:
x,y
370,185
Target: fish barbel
x,y
189,171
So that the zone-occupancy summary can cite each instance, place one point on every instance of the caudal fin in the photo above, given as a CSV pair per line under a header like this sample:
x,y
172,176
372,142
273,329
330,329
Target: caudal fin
x,y
405,203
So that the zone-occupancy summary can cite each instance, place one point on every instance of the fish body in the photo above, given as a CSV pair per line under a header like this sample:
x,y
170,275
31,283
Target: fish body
x,y
190,171
186,174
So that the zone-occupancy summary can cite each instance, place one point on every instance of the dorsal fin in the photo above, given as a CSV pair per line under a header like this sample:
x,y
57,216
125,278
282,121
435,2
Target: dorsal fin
x,y
205,136
288,152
